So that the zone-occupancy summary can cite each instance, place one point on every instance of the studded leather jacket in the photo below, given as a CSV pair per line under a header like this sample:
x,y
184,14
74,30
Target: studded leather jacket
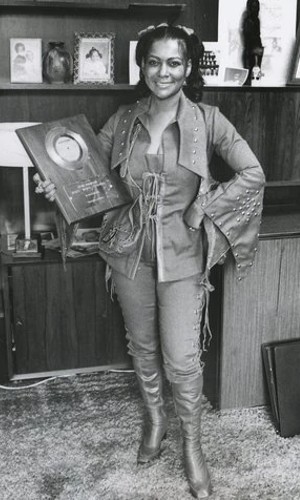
x,y
197,220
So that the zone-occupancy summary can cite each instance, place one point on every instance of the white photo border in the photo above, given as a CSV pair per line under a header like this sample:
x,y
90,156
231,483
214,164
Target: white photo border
x,y
102,43
26,60
234,76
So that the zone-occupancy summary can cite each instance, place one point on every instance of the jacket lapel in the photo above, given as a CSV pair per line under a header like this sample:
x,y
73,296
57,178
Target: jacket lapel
x,y
192,150
124,131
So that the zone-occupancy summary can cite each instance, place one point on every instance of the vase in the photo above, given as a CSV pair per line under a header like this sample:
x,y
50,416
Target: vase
x,y
57,63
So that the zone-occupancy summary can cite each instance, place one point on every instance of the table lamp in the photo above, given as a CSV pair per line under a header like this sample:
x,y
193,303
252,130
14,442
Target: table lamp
x,y
13,154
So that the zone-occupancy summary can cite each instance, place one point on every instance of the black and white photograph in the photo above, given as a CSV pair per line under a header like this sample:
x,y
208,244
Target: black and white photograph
x,y
25,60
149,251
211,63
235,76
94,58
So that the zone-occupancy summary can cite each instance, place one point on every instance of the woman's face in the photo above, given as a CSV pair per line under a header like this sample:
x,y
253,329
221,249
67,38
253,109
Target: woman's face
x,y
165,68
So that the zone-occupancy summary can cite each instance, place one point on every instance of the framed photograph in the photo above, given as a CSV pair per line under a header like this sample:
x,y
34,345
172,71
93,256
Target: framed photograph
x,y
134,70
94,58
8,242
235,77
210,63
294,76
26,60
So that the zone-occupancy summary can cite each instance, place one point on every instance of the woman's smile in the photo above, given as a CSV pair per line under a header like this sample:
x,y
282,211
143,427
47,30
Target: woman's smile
x,y
163,84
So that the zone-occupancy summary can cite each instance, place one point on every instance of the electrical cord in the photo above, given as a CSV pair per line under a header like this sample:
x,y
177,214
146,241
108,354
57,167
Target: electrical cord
x,y
116,370
8,388
35,384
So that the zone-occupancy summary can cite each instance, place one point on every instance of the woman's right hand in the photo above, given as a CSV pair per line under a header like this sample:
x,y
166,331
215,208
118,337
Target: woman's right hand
x,y
45,187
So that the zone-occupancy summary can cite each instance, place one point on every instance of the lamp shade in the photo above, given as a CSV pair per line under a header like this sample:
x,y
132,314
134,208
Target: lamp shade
x,y
12,152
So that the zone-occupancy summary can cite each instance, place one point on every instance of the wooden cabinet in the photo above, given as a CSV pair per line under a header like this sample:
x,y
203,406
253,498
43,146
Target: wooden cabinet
x,y
58,320
261,308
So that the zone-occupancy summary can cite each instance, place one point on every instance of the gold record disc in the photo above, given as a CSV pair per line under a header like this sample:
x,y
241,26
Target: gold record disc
x,y
66,148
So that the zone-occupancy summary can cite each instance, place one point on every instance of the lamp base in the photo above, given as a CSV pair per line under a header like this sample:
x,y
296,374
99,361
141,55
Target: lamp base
x,y
28,247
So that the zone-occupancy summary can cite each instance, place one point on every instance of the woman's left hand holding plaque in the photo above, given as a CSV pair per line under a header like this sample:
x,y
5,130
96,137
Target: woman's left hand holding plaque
x,y
45,187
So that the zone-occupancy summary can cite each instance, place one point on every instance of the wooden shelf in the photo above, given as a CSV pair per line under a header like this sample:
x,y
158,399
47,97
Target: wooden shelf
x,y
6,85
164,5
93,4
249,88
65,87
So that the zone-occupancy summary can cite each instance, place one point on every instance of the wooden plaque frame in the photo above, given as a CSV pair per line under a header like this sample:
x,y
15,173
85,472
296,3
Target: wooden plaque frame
x,y
67,152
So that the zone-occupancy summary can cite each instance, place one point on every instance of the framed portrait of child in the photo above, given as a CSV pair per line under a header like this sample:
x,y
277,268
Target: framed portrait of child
x,y
94,58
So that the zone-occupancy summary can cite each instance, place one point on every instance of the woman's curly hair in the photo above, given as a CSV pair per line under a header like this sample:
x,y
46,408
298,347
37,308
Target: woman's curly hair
x,y
193,50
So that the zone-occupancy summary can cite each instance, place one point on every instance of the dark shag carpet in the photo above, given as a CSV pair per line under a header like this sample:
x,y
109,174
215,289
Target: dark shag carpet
x,y
76,438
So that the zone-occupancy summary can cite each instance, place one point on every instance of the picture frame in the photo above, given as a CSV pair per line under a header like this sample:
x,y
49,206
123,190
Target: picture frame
x,y
294,74
8,242
26,60
134,70
94,58
211,63
234,77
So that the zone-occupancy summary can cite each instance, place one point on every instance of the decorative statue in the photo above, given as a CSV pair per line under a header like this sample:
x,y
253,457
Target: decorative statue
x,y
253,48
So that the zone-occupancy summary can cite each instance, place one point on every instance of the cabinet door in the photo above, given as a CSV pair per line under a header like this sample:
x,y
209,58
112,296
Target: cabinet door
x,y
261,308
64,319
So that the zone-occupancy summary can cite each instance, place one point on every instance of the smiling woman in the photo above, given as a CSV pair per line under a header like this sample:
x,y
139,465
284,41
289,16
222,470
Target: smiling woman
x,y
161,247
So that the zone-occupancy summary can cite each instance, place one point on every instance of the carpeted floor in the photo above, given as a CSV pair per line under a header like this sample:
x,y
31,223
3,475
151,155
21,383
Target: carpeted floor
x,y
76,438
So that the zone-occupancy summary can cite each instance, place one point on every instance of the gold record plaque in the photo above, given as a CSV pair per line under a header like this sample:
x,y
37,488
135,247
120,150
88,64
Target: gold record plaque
x,y
67,152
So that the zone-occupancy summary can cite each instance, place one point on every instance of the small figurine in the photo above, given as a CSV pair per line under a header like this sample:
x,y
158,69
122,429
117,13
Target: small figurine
x,y
253,48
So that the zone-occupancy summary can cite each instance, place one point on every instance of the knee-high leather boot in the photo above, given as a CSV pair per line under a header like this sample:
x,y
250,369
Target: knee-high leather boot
x,y
187,399
149,375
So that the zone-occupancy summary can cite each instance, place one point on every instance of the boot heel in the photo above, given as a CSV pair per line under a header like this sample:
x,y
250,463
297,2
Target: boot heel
x,y
146,455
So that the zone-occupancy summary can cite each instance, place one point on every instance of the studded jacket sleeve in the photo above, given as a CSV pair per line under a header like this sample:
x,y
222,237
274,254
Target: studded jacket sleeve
x,y
230,211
